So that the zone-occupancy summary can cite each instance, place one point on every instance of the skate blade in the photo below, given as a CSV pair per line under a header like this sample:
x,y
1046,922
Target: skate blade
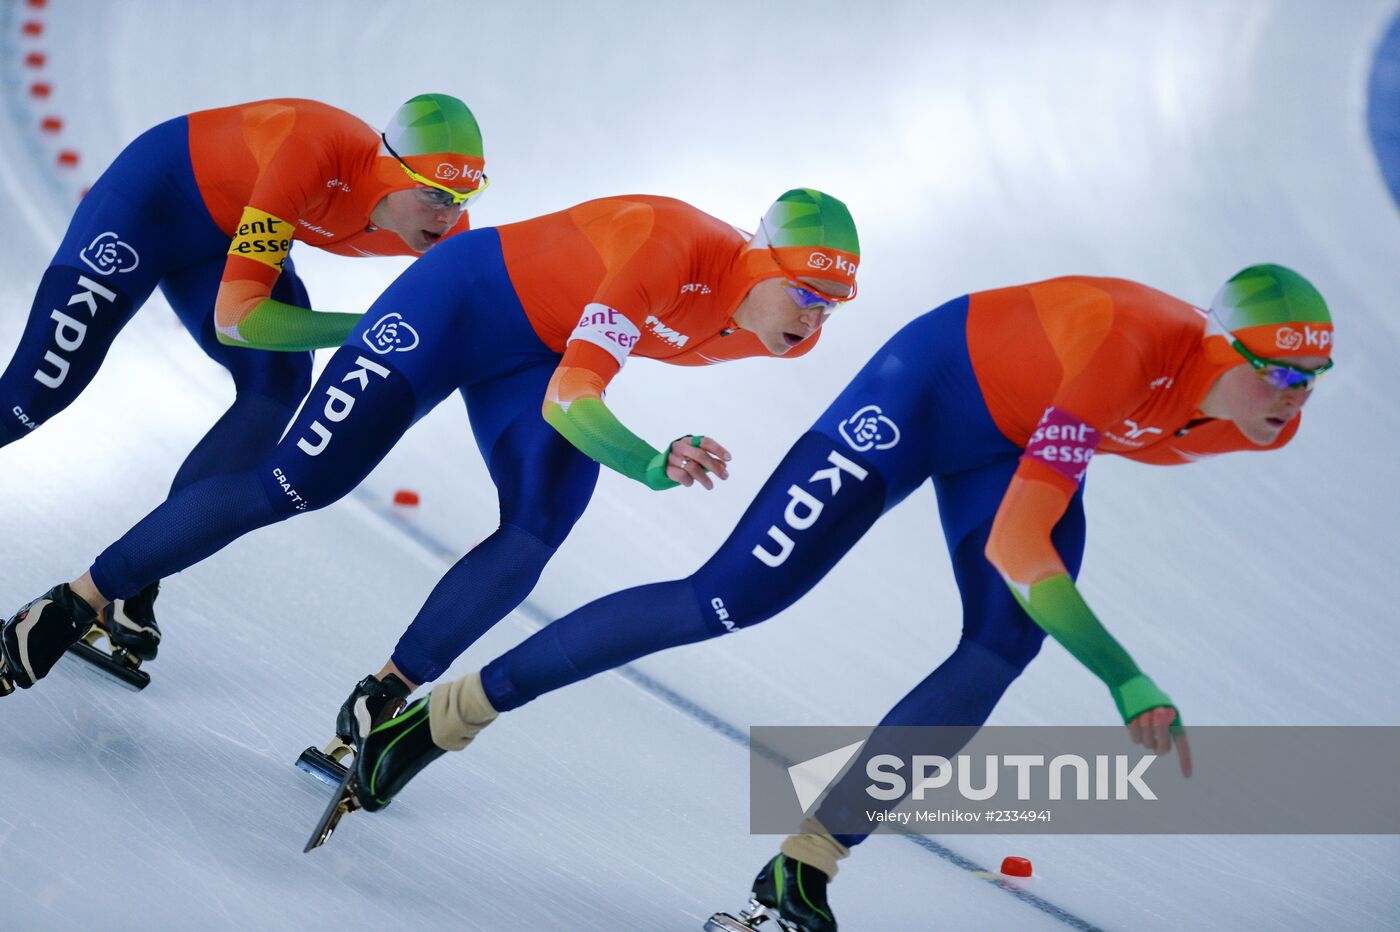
x,y
118,663
326,766
7,685
749,921
343,803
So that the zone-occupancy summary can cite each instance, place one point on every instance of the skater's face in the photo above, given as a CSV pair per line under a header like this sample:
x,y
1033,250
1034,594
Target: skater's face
x,y
1257,408
417,215
780,316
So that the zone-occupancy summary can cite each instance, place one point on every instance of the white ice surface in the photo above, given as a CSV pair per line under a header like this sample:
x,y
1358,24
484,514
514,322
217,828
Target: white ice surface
x,y
977,145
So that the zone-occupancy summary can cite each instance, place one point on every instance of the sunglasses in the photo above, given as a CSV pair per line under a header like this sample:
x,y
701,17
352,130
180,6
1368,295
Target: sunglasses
x,y
435,193
1281,375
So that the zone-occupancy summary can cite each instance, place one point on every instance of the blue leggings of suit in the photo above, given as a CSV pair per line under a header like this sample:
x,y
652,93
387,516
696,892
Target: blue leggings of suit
x,y
141,225
450,322
915,412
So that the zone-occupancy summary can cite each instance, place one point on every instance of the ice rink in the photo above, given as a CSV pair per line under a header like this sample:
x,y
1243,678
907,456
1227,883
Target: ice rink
x,y
977,145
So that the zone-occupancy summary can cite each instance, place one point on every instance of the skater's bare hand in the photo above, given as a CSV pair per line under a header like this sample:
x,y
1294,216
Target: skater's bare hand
x,y
1154,730
689,464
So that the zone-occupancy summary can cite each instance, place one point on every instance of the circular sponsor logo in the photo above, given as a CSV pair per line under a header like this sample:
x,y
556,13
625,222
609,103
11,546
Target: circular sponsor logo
x,y
1288,339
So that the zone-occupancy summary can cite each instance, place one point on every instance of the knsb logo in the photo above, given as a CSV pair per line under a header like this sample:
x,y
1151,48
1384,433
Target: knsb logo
x,y
803,508
824,263
869,429
339,404
446,171
1290,340
108,255
391,334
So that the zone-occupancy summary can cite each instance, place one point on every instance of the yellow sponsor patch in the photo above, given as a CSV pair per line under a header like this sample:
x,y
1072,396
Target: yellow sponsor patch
x,y
262,237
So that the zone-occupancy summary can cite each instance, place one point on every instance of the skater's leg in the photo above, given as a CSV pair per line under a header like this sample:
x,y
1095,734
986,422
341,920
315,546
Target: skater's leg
x,y
363,402
136,223
356,413
864,455
998,638
750,578
543,482
268,385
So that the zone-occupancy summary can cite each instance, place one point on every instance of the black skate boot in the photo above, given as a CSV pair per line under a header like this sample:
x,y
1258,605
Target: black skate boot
x,y
790,893
131,623
391,755
371,702
38,635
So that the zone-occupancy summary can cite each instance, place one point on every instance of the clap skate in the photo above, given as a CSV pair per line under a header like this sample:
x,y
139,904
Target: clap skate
x,y
371,703
390,755
37,636
788,892
129,628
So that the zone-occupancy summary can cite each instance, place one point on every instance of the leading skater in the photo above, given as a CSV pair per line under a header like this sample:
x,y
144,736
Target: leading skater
x,y
1001,398
530,322
207,206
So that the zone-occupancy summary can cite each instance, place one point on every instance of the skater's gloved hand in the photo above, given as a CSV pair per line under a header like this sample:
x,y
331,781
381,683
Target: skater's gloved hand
x,y
693,458
1156,729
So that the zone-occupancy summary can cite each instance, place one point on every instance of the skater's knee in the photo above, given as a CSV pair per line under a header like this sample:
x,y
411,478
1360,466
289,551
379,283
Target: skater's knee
x,y
1004,658
277,378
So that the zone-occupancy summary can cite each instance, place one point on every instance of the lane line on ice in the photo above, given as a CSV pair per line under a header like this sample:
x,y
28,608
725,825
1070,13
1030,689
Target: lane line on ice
x,y
537,618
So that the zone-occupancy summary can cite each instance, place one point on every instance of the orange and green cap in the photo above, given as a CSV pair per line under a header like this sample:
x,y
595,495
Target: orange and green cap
x,y
437,136
1274,312
810,234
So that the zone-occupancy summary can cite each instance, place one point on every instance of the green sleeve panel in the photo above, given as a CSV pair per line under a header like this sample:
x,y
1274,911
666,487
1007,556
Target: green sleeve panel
x,y
273,325
1056,605
590,426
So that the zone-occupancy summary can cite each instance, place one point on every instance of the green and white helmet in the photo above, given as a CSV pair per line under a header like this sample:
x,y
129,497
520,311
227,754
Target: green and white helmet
x,y
1274,312
436,136
808,233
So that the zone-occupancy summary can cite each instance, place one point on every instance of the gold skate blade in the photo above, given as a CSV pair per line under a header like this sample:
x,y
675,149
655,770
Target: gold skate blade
x,y
343,803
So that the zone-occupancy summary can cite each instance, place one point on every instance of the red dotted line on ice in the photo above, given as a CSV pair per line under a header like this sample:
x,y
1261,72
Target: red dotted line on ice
x,y
41,88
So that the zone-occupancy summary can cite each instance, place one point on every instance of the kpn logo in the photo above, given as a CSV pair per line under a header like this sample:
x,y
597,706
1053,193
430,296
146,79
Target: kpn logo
x,y
811,777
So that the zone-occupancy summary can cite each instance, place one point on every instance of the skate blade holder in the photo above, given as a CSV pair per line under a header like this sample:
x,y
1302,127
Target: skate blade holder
x,y
750,920
328,765
118,662
344,803
7,685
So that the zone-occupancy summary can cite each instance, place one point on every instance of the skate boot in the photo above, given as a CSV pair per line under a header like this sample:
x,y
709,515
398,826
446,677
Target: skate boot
x,y
371,702
391,755
131,623
129,627
790,893
38,635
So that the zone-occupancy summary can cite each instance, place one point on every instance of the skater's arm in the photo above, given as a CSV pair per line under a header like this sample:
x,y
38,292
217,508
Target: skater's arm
x,y
1021,549
257,321
245,314
573,405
